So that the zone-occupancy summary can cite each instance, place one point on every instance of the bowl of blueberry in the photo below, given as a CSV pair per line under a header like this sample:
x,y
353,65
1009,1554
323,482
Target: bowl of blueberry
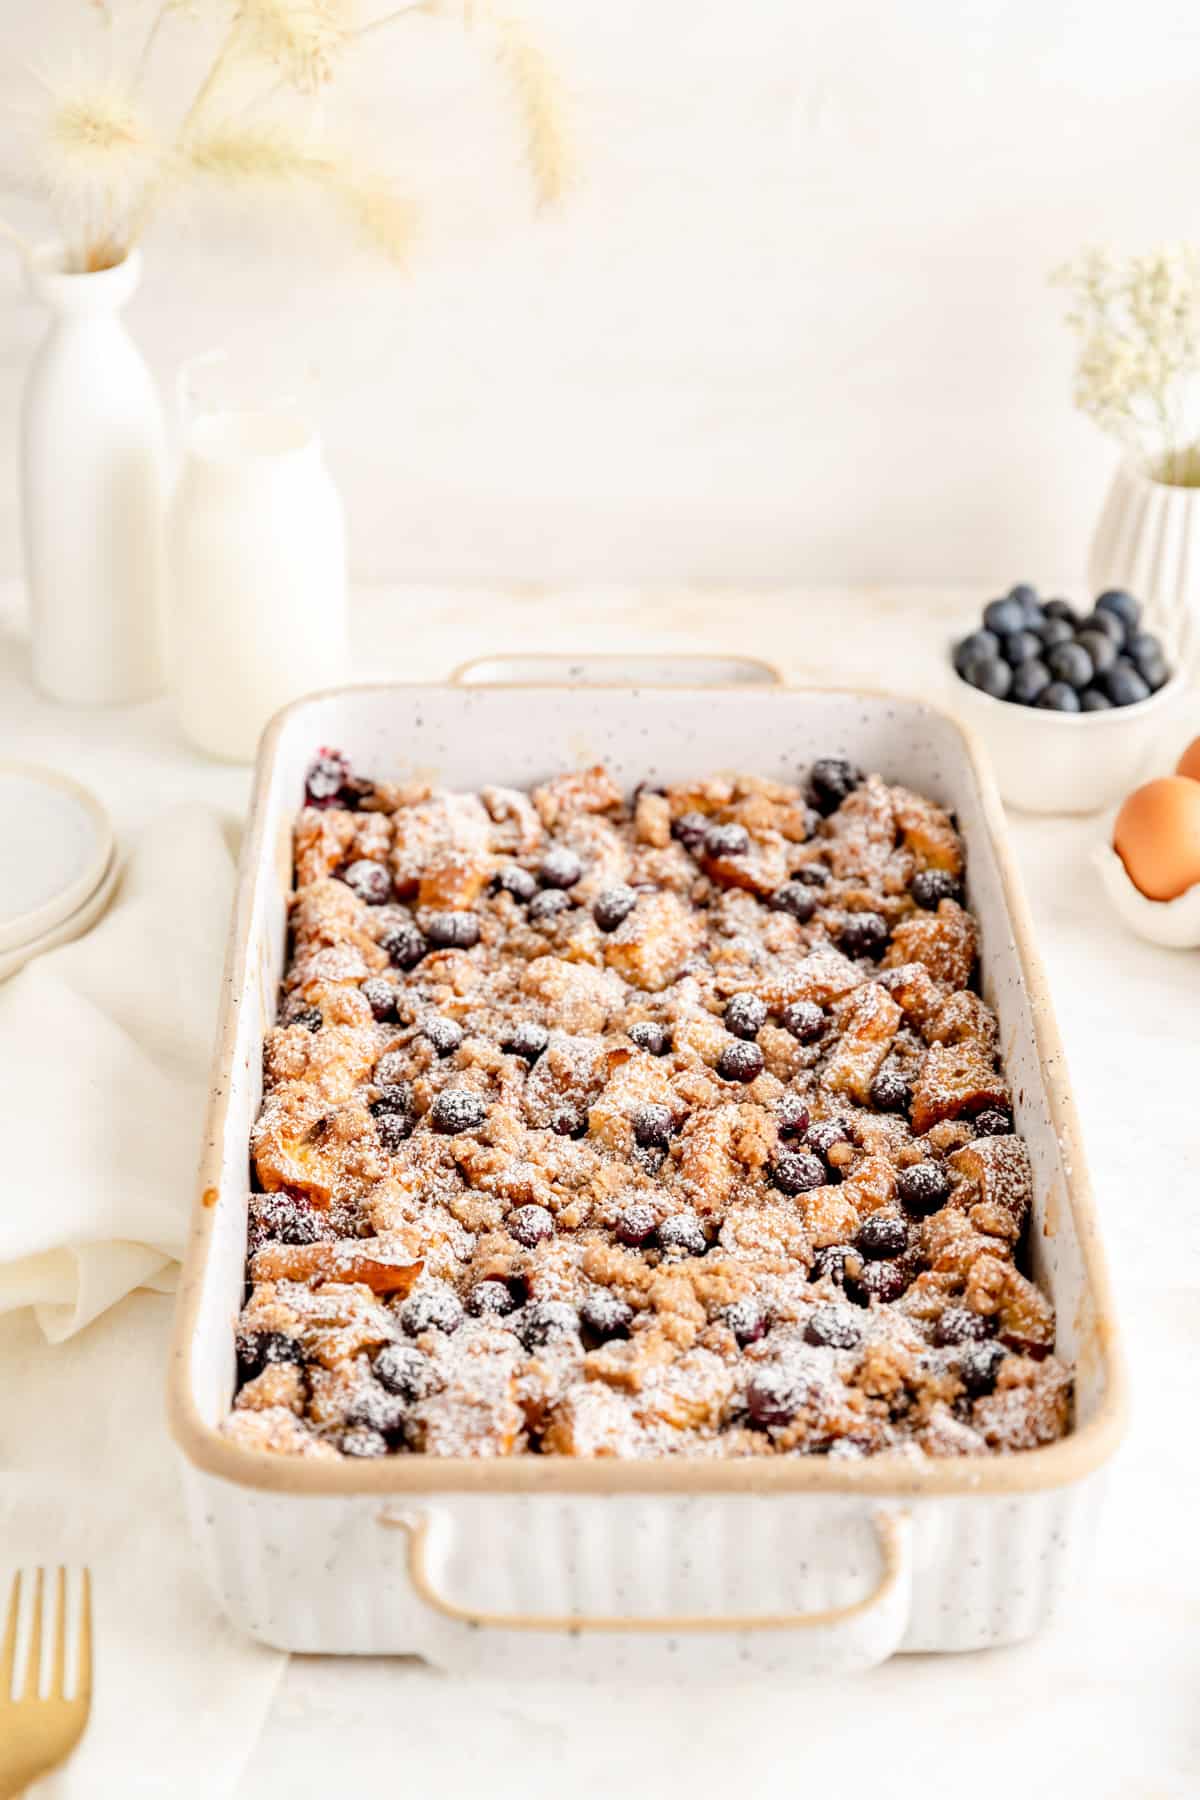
x,y
1071,701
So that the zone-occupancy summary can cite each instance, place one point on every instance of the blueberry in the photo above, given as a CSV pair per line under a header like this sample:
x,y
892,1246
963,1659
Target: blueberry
x,y
568,1121
1092,700
975,644
381,996
394,1096
1055,631
959,1325
890,1093
773,1395
404,1371
604,1315
740,1061
881,1281
929,886
1100,648
797,1172
548,904
362,1440
613,906
791,1116
392,1129
864,934
1070,663
433,1309
1020,646
491,1299
978,1367
282,1218
992,1122
683,1232
923,1187
452,930
726,840
444,1034
652,1124
838,1263
308,1016
1124,686
256,1349
823,1136
404,946
455,1110
748,1319
690,830
794,897
1123,606
1030,681
1106,621
1058,697
369,880
830,780
833,1325
531,1226
1061,609
654,1039
518,882
326,777
1026,596
1003,617
990,675
811,875
636,1225
526,1039
560,868
1149,657
882,1234
542,1321
805,1020
745,1015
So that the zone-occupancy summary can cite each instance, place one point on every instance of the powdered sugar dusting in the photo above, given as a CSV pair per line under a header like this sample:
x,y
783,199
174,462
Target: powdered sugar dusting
x,y
528,1182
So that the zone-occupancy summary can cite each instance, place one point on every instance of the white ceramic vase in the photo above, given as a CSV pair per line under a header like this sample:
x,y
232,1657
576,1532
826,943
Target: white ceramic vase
x,y
1147,539
257,558
93,465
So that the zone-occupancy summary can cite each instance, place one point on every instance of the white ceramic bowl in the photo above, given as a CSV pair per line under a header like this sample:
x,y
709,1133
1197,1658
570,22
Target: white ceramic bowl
x,y
1050,762
1172,923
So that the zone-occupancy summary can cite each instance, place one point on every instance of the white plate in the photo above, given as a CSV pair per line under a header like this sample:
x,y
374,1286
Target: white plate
x,y
67,929
58,844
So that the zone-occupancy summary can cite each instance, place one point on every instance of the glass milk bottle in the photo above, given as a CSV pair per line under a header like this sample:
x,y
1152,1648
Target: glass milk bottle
x,y
257,557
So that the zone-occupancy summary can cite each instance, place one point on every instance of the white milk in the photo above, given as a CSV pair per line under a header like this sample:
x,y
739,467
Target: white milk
x,y
257,554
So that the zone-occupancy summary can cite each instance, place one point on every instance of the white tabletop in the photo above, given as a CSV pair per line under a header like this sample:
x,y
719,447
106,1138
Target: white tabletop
x,y
1104,1703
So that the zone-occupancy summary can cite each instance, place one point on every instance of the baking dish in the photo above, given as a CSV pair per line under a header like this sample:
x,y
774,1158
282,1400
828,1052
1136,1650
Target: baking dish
x,y
672,1565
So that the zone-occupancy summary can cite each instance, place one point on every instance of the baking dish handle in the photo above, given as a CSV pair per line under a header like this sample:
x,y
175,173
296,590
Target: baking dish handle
x,y
837,1640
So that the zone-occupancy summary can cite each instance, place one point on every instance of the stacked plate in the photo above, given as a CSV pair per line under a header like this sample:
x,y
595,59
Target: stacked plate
x,y
58,862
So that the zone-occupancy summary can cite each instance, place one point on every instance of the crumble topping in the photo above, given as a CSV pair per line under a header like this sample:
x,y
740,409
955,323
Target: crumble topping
x,y
648,1125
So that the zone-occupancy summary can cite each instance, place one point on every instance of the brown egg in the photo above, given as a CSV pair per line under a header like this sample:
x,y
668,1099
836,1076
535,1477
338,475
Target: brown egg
x,y
1157,836
1189,762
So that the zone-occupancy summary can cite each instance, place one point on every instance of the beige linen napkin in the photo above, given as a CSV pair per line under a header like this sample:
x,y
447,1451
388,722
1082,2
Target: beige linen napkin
x,y
105,1046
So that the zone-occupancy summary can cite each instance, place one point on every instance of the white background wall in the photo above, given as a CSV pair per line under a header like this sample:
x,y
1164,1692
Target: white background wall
x,y
793,325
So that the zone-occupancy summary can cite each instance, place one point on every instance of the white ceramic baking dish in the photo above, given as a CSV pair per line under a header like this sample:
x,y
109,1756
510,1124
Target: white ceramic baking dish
x,y
669,1566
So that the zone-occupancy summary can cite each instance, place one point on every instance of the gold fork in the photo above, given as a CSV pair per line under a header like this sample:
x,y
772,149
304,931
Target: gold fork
x,y
36,1734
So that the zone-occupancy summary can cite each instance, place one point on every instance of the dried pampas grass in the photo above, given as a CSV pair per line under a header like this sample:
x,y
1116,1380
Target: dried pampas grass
x,y
275,154
535,88
107,171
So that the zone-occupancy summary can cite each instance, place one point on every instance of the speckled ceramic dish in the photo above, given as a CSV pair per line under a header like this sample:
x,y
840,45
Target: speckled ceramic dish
x,y
544,1563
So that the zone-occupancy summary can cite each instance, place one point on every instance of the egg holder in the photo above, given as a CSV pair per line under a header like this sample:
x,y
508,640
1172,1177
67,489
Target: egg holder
x,y
1175,924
